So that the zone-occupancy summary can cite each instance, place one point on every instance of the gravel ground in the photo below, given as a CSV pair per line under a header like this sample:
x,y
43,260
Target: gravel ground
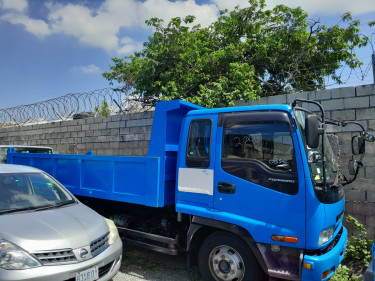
x,y
141,264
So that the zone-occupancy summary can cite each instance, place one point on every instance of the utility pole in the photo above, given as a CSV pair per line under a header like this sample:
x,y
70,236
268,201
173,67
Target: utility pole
x,y
373,66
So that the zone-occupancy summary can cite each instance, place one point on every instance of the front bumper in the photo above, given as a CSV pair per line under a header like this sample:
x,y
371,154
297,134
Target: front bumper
x,y
108,262
324,262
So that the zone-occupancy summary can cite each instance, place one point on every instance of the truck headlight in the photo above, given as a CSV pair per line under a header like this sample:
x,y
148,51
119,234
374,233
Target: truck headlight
x,y
113,232
326,235
13,257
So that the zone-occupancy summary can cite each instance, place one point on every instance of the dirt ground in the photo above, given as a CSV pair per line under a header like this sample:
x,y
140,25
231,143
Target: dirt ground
x,y
141,264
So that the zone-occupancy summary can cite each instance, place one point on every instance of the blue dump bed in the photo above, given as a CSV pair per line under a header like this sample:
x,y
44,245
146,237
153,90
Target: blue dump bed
x,y
108,177
148,180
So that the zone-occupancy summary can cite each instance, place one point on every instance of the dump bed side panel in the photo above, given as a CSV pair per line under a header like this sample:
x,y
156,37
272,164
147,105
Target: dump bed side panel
x,y
120,178
165,140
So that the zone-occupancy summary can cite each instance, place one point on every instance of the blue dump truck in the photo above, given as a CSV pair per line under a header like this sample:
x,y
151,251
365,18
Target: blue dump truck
x,y
246,192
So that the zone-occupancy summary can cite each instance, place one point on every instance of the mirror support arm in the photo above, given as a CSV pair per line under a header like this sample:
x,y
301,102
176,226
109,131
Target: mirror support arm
x,y
320,131
356,172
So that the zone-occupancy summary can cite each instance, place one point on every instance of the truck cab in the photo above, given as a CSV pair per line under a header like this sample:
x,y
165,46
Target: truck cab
x,y
252,168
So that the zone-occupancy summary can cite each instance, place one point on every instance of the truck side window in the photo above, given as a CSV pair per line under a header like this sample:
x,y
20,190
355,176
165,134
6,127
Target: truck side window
x,y
261,152
198,146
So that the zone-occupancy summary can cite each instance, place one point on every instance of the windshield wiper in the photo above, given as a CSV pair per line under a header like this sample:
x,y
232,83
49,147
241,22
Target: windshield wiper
x,y
8,211
63,203
35,208
54,206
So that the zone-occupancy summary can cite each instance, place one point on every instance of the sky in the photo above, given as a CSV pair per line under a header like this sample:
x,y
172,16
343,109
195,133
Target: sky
x,y
50,48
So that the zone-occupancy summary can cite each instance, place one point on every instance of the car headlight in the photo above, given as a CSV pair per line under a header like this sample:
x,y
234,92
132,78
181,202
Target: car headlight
x,y
113,232
326,235
13,257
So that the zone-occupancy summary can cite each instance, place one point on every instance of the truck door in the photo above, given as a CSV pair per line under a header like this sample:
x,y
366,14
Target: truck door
x,y
257,182
196,167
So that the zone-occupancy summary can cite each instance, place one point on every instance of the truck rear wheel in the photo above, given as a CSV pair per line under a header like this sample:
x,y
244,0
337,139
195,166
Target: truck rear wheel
x,y
225,257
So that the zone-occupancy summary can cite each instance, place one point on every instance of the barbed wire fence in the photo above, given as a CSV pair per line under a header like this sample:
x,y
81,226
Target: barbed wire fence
x,y
72,106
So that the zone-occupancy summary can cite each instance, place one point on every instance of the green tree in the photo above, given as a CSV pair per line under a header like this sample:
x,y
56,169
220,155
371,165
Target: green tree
x,y
247,53
103,110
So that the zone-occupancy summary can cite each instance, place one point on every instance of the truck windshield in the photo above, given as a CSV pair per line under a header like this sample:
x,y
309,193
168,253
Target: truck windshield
x,y
333,191
29,191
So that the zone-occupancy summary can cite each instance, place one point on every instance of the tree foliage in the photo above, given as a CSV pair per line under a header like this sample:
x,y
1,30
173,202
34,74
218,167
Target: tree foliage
x,y
103,110
247,53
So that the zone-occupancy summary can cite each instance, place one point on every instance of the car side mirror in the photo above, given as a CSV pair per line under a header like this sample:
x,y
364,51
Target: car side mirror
x,y
313,130
353,166
358,145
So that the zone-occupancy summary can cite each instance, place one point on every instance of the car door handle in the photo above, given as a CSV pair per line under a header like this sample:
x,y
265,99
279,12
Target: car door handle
x,y
226,187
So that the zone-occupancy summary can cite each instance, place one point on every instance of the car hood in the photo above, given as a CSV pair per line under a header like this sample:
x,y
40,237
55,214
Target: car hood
x,y
70,226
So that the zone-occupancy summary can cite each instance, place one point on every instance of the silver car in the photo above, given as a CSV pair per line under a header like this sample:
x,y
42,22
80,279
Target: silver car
x,y
47,234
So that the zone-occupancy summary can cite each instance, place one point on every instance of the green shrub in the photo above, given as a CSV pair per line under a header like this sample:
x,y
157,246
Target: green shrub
x,y
343,273
359,246
357,255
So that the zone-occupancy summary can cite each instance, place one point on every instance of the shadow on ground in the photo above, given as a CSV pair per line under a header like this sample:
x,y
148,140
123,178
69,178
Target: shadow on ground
x,y
140,264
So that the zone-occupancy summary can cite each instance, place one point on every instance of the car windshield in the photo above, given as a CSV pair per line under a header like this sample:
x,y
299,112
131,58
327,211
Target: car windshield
x,y
315,159
28,191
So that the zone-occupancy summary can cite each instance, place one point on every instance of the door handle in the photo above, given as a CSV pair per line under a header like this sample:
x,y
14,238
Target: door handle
x,y
226,187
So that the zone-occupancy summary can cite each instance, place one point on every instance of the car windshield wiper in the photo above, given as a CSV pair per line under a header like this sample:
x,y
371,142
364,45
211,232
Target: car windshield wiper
x,y
54,206
36,208
8,211
63,203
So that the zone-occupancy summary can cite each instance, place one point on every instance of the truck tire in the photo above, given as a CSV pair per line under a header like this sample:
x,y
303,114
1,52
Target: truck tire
x,y
225,257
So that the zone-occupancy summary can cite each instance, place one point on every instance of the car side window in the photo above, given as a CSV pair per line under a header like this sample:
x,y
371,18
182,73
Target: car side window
x,y
261,152
198,146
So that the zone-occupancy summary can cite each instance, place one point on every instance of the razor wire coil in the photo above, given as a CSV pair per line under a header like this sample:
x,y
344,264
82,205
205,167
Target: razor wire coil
x,y
69,106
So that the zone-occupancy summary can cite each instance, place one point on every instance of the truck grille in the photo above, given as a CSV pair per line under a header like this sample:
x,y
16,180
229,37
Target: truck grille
x,y
99,245
56,257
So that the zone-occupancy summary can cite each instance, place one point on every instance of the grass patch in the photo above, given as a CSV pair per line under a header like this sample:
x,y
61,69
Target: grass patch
x,y
145,263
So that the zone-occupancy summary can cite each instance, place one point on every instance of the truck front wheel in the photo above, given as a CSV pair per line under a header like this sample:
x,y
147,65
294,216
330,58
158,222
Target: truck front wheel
x,y
225,257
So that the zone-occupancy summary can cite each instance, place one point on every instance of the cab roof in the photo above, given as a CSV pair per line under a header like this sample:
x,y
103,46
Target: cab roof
x,y
276,107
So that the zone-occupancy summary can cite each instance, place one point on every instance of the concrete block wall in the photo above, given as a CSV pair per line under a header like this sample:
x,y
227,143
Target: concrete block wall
x,y
355,104
127,134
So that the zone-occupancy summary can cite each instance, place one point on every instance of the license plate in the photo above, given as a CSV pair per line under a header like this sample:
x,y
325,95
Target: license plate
x,y
89,274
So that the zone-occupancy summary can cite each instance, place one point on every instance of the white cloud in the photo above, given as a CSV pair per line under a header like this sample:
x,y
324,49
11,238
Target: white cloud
x,y
205,14
101,27
128,45
333,7
36,27
17,5
82,23
225,4
87,69
104,26
322,7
